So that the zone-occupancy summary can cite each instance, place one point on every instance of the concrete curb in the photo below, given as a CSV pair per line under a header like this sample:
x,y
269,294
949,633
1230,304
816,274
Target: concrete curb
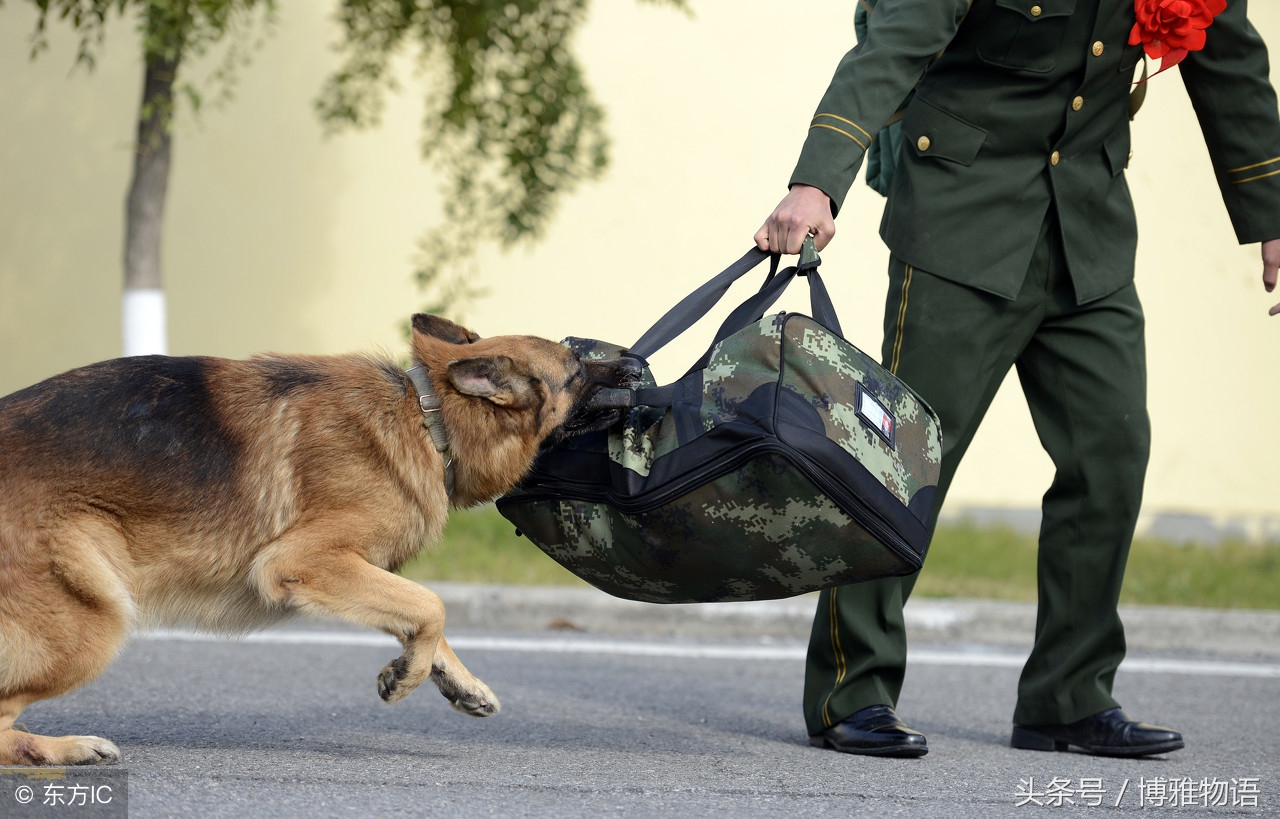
x,y
538,608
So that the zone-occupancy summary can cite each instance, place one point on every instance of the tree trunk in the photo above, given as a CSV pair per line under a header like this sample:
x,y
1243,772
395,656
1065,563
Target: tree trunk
x,y
144,306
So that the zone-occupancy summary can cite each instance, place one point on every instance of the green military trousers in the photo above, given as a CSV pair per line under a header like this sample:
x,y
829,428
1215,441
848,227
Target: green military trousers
x,y
1083,373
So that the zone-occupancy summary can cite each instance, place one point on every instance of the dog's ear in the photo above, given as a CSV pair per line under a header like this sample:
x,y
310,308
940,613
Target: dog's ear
x,y
443,329
494,378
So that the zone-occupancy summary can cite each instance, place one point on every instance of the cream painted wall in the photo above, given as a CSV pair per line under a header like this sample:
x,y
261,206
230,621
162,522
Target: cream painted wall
x,y
279,239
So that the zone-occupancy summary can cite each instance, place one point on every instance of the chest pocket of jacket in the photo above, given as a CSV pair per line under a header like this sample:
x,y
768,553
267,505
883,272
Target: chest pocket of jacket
x,y
1130,57
933,133
1025,35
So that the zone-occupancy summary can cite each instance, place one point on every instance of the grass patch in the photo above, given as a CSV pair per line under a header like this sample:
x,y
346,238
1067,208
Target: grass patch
x,y
480,546
965,560
968,560
1229,575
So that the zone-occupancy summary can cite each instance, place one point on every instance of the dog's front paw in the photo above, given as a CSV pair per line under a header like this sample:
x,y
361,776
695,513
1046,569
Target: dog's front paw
x,y
390,681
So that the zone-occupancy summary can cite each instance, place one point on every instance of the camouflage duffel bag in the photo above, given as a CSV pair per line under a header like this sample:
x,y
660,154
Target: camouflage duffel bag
x,y
786,460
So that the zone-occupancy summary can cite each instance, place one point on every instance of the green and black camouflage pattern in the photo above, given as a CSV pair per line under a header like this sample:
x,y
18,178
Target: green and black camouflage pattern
x,y
759,481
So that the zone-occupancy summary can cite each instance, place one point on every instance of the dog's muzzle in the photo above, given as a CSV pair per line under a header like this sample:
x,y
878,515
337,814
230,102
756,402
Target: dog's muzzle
x,y
616,381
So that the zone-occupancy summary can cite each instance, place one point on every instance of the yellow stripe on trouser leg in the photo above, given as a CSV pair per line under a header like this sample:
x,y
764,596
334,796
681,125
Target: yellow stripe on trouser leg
x,y
841,665
902,321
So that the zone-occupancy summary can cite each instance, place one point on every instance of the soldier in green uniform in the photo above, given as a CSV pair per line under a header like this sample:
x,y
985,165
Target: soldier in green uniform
x,y
1013,238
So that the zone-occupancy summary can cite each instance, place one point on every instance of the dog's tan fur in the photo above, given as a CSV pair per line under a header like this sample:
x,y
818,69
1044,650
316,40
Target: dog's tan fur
x,y
227,495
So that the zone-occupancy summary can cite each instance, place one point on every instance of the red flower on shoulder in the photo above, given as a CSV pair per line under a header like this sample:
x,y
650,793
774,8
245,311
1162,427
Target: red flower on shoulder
x,y
1169,29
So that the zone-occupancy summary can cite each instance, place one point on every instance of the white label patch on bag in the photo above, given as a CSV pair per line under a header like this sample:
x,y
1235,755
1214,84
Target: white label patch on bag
x,y
876,416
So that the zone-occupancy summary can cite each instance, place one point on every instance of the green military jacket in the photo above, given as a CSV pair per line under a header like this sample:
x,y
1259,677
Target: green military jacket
x,y
1028,108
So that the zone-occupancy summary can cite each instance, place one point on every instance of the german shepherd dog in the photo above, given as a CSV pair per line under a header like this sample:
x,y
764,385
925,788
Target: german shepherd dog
x,y
226,495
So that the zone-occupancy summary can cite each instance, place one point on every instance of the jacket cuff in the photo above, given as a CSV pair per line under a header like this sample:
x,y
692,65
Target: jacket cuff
x,y
832,154
1252,195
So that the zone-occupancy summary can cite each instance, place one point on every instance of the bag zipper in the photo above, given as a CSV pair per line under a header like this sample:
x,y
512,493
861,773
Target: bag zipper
x,y
858,511
863,515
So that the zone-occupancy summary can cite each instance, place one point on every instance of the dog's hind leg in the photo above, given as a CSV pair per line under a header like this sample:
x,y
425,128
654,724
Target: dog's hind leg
x,y
459,687
63,615
18,747
340,582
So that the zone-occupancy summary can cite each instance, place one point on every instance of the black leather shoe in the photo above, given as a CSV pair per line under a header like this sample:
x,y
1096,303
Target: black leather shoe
x,y
873,731
1109,733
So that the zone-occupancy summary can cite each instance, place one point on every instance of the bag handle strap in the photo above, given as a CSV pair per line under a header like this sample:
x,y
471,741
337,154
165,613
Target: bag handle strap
x,y
752,310
697,304
747,313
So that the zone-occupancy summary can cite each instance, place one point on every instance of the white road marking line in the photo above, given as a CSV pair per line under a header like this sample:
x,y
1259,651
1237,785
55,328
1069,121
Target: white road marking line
x,y
626,648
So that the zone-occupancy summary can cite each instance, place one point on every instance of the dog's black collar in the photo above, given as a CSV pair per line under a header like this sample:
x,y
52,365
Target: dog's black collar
x,y
429,403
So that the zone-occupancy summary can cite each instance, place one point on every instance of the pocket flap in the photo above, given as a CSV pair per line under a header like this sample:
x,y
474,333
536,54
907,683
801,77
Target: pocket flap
x,y
932,132
1037,10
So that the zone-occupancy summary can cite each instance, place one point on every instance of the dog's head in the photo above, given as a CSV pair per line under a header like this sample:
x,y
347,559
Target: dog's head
x,y
537,385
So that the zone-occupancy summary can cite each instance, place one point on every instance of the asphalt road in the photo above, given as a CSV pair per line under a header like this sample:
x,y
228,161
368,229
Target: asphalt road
x,y
287,723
